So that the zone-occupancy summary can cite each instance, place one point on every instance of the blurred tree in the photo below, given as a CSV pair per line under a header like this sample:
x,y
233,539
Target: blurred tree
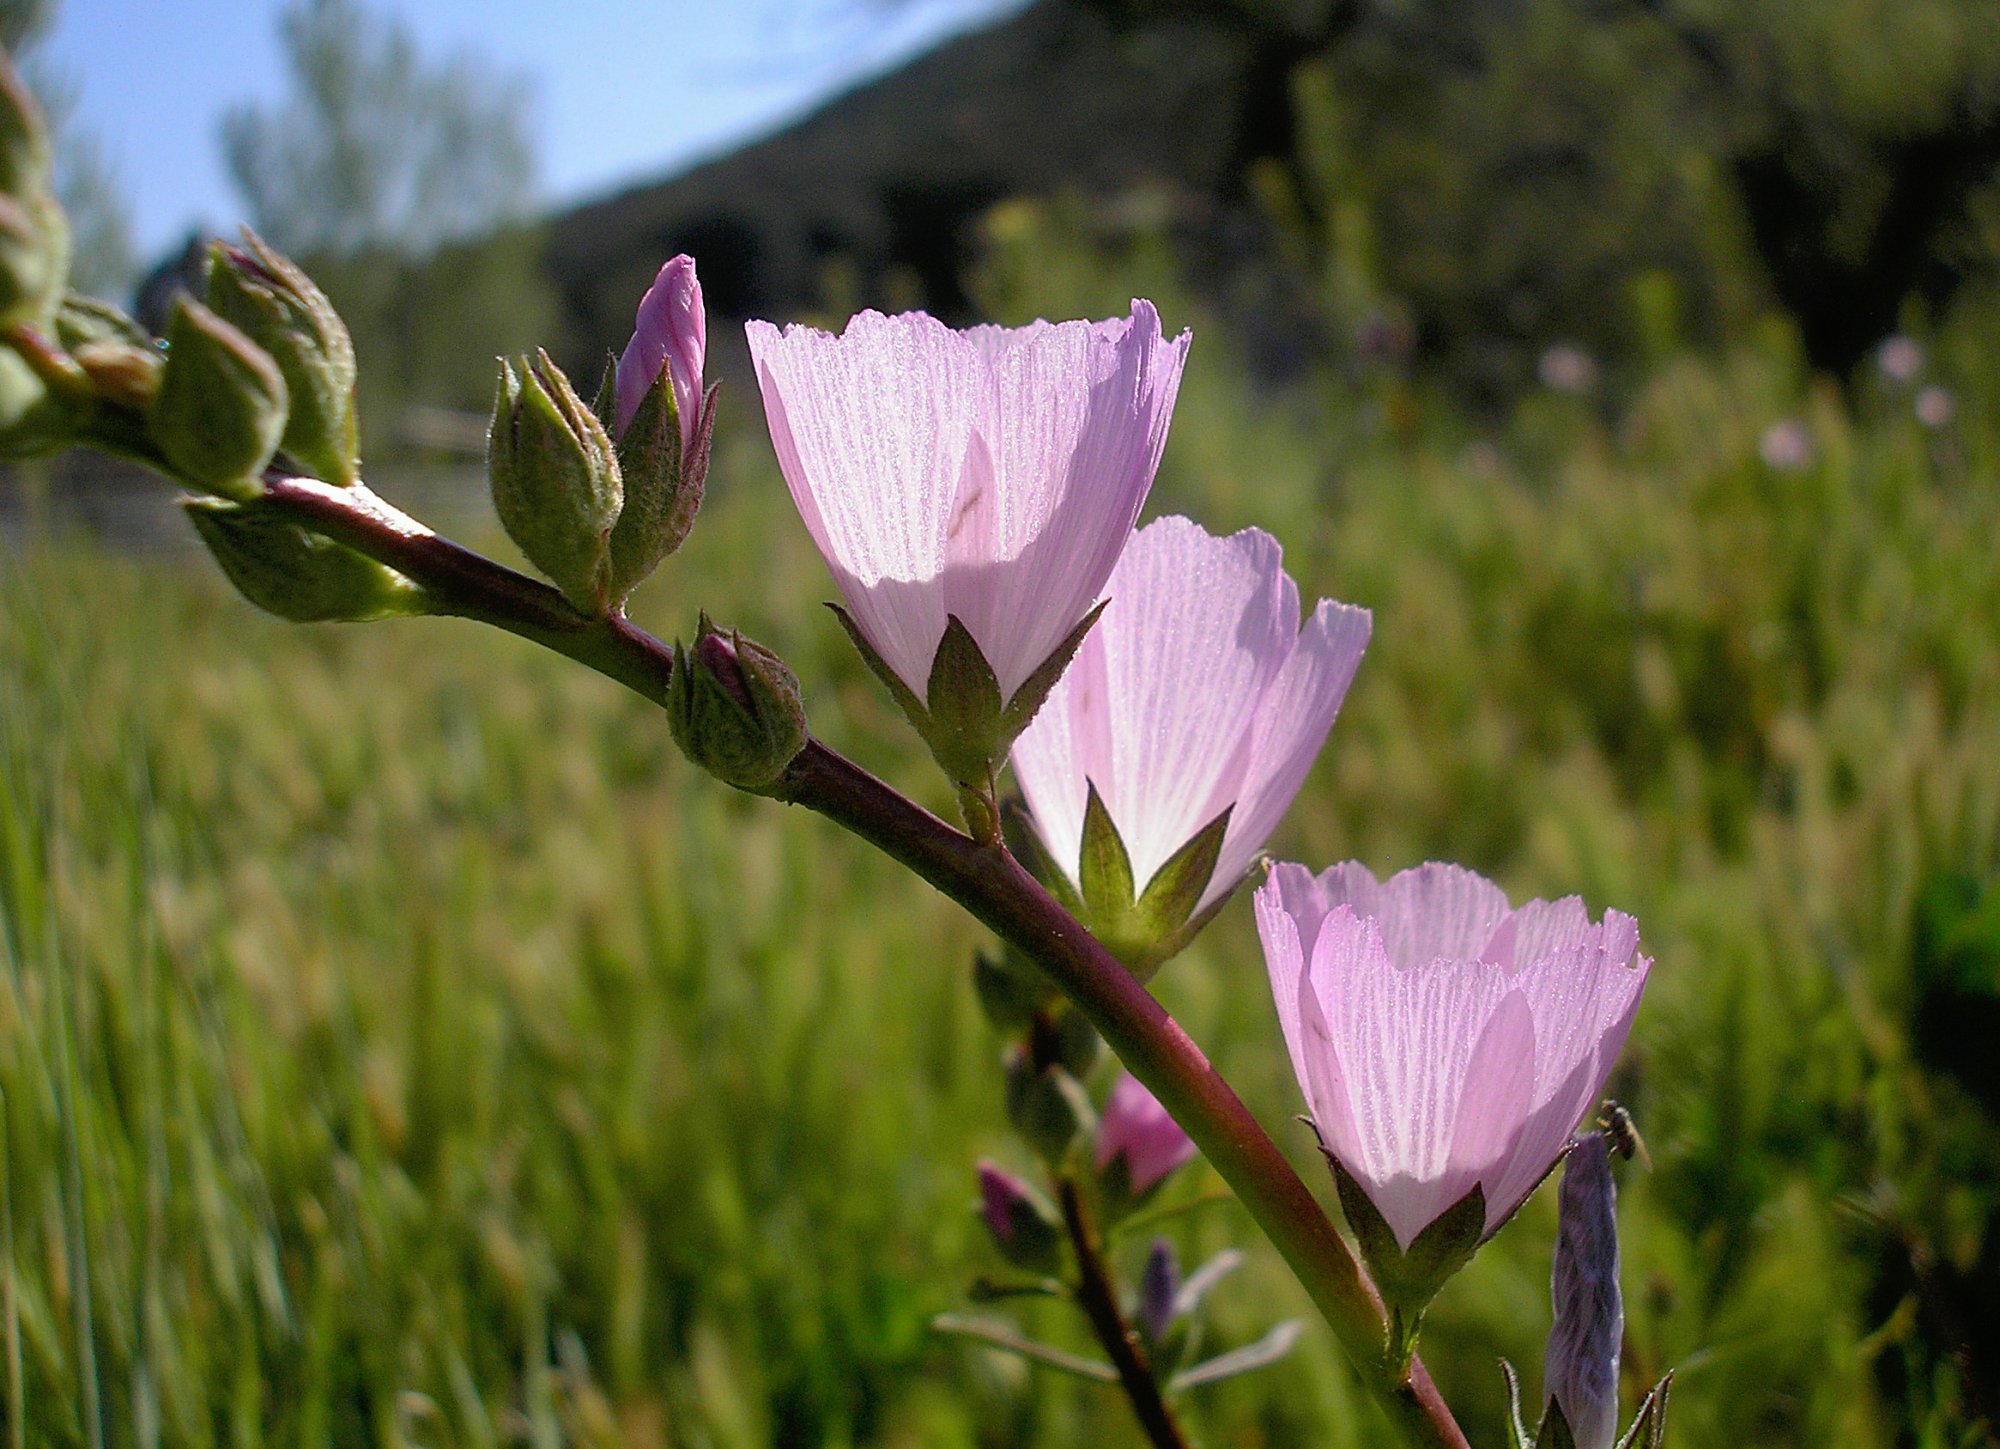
x,y
404,184
103,262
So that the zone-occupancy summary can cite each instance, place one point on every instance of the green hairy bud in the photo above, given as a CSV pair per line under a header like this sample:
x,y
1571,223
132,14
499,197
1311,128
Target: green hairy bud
x,y
221,404
25,155
555,479
296,574
279,308
734,708
34,257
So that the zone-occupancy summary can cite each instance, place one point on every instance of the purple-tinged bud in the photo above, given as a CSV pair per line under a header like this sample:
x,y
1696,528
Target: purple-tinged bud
x,y
1935,407
1024,1227
654,405
1580,1370
1159,1290
734,708
670,332
1137,1128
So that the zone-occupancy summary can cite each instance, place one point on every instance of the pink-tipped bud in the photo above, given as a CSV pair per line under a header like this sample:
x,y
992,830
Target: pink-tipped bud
x,y
1136,1127
1022,1224
1581,1367
671,332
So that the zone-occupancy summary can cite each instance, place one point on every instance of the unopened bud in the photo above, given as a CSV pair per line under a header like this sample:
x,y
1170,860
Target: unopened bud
x,y
296,574
220,407
1047,1106
1010,990
555,479
280,308
25,155
1580,1369
1024,1227
34,257
734,708
664,425
1139,1145
33,422
1159,1288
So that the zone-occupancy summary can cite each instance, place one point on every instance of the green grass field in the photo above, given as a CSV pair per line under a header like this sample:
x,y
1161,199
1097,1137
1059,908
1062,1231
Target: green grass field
x,y
401,1045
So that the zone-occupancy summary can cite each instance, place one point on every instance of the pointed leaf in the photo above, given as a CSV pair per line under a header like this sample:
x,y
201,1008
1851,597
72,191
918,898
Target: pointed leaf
x,y
1104,866
1195,1287
1517,1432
1261,1354
963,701
1171,894
1649,1425
1017,826
1555,1431
1028,699
605,404
1448,1243
905,697
999,1333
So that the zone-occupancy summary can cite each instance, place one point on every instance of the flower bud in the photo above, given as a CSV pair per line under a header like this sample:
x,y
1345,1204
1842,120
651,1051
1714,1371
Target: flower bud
x,y
1138,1142
1580,1370
220,407
1024,1227
296,574
1047,1106
555,479
34,257
734,708
33,422
1159,1290
25,154
1010,988
280,308
669,344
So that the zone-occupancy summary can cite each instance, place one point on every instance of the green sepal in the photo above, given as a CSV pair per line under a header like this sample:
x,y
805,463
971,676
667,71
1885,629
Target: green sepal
x,y
1555,1432
1410,1279
963,707
1649,1425
295,573
606,403
1517,1431
1049,1108
284,312
1170,896
1105,872
734,708
663,489
1018,829
905,697
1010,990
556,484
221,405
1034,691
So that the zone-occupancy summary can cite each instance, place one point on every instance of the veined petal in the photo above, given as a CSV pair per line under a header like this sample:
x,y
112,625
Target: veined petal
x,y
1288,921
872,431
1433,911
1166,756
1293,717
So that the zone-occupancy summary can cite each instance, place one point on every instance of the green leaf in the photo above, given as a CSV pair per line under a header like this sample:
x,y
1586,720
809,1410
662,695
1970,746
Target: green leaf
x,y
1252,1356
1649,1425
998,1333
1197,1284
1034,691
1105,868
905,697
962,698
1171,894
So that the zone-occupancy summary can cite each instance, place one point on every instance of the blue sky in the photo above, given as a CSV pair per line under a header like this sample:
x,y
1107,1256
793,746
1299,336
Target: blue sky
x,y
622,91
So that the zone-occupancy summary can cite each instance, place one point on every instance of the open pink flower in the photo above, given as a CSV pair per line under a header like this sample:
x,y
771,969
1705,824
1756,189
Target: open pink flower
x,y
670,331
1134,1125
1197,691
1441,1038
992,474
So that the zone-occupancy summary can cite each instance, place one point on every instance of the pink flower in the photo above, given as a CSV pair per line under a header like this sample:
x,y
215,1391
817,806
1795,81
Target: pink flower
x,y
1196,692
1441,1038
670,331
1136,1126
992,474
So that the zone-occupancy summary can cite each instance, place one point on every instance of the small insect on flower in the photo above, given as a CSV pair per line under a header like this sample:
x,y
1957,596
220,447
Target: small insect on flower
x,y
1615,1121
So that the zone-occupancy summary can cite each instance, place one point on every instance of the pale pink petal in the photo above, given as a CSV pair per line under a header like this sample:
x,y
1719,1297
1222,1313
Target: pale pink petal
x,y
1135,1124
872,431
1293,717
1323,1078
669,331
1076,420
1436,911
1404,1040
1282,905
1493,1104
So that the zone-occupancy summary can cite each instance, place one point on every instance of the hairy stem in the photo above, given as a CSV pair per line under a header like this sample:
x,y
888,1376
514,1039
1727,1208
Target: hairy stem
x,y
983,878
1099,1301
